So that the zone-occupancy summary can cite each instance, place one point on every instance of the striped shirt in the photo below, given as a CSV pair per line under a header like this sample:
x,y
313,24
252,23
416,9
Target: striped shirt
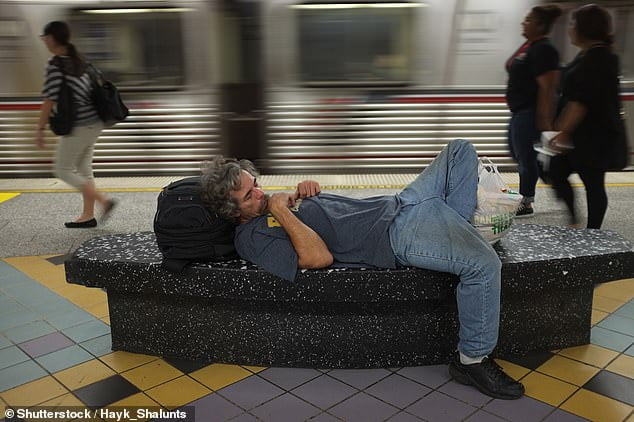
x,y
82,89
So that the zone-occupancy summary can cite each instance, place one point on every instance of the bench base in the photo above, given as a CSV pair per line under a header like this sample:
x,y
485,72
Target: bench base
x,y
335,335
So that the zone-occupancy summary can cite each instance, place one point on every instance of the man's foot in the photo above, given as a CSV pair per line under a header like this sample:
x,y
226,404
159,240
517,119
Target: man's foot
x,y
487,377
525,210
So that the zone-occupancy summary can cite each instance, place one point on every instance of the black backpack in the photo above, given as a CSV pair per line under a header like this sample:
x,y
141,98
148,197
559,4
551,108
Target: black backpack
x,y
106,98
62,120
187,230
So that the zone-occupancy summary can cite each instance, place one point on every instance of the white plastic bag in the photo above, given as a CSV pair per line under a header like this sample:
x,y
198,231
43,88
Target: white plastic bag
x,y
497,204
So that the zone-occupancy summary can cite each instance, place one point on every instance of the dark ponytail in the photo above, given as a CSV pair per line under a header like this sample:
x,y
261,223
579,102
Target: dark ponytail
x,y
60,31
546,16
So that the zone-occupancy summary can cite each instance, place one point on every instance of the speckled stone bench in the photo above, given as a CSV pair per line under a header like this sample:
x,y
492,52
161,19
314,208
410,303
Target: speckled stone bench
x,y
233,312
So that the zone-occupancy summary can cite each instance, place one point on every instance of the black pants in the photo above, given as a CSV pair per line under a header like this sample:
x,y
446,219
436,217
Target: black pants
x,y
594,182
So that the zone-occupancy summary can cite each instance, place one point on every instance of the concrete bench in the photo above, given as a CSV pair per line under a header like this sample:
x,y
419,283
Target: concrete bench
x,y
233,312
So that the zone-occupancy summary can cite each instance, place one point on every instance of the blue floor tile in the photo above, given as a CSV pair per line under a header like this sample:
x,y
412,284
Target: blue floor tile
x,y
64,358
9,305
630,351
56,307
65,319
32,294
20,374
29,331
619,324
4,342
626,310
16,319
610,339
12,355
98,346
86,331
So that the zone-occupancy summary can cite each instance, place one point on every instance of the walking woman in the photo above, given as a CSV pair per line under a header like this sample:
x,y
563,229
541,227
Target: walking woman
x,y
530,95
73,160
589,113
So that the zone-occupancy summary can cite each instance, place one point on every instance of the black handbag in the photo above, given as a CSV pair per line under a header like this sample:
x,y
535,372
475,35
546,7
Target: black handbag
x,y
620,154
62,118
106,98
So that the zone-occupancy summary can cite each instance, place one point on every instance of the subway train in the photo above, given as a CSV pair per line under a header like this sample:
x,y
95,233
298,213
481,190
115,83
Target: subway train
x,y
301,87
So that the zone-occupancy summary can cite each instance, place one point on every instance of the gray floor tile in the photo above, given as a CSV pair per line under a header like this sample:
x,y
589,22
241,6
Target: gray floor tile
x,y
362,407
65,319
525,409
16,319
245,417
87,330
20,374
285,408
29,331
432,376
64,358
359,378
630,351
563,416
619,324
404,417
46,344
250,392
437,407
324,392
98,346
10,305
324,417
465,393
12,355
482,416
4,342
610,339
217,406
289,378
398,391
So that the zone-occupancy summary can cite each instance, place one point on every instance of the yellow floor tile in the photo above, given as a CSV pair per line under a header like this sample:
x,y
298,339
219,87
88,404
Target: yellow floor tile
x,y
86,297
65,401
623,365
151,374
547,389
5,196
254,369
569,370
590,354
596,407
622,290
514,371
605,304
84,374
38,269
218,375
100,310
178,392
3,407
122,361
134,402
34,392
106,320
598,316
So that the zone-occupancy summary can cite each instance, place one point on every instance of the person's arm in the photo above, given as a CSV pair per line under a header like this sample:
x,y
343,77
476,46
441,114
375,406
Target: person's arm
x,y
546,83
45,112
311,250
569,119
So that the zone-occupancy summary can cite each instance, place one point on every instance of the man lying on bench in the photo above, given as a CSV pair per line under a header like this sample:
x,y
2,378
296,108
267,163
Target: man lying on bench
x,y
427,225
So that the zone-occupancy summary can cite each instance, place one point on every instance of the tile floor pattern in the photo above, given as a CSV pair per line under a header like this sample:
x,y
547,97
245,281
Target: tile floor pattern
x,y
55,350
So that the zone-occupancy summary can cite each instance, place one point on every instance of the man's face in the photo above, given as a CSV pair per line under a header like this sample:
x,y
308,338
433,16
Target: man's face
x,y
252,201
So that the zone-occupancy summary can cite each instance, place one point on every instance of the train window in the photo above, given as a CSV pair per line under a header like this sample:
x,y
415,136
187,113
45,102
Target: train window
x,y
136,48
355,43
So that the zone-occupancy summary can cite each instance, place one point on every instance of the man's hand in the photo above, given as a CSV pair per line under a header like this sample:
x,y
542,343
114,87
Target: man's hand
x,y
281,200
39,139
307,188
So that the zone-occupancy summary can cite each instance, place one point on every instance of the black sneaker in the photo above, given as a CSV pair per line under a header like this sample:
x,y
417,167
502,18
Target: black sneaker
x,y
487,377
524,211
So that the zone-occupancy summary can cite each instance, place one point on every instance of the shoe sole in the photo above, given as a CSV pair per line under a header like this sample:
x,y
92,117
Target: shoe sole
x,y
525,215
465,379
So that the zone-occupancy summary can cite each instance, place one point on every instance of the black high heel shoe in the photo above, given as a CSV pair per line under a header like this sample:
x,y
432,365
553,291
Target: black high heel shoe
x,y
82,224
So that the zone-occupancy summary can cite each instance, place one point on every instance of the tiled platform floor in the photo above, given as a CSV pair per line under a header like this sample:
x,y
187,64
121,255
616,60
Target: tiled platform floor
x,y
55,350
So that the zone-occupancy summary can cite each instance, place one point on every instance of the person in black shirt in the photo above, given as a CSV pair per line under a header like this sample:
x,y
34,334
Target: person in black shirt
x,y
533,74
588,113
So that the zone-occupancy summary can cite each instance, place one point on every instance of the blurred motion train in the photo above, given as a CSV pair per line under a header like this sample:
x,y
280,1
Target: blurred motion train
x,y
301,87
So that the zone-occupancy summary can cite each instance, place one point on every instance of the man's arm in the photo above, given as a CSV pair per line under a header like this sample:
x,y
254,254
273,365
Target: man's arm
x,y
311,250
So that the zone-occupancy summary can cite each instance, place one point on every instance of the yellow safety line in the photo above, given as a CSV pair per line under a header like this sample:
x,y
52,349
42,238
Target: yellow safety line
x,y
5,196
276,188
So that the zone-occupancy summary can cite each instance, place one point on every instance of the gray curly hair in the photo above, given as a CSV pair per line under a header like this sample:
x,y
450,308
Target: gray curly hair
x,y
220,176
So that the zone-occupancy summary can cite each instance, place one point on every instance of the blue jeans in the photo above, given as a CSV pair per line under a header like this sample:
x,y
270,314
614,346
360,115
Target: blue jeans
x,y
432,231
522,135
